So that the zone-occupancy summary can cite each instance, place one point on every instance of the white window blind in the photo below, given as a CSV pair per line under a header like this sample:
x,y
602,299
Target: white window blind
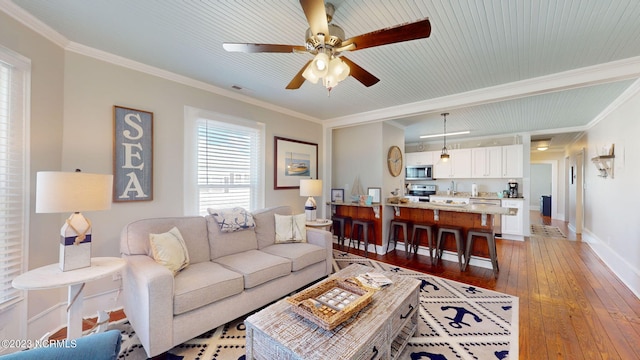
x,y
229,165
14,73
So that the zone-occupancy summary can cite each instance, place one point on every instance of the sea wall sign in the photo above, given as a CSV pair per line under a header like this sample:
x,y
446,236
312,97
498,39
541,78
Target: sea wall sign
x,y
294,160
132,155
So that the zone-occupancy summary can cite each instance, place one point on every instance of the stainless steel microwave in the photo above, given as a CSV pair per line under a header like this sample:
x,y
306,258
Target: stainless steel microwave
x,y
419,172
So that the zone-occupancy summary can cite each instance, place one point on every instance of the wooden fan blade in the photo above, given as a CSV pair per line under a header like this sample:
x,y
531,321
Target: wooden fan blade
x,y
316,16
297,80
360,74
404,32
262,48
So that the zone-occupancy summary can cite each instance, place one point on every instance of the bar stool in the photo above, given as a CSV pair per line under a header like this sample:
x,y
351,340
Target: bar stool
x,y
396,225
415,240
339,225
360,230
491,243
456,231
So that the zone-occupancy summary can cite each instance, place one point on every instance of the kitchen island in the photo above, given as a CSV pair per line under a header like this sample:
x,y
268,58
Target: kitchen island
x,y
466,216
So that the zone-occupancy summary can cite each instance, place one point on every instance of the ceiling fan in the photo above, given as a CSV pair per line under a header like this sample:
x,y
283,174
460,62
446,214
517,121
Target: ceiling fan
x,y
326,42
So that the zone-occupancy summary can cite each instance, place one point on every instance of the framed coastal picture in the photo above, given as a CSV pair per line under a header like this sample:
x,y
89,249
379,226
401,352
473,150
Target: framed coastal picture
x,y
294,160
337,195
132,155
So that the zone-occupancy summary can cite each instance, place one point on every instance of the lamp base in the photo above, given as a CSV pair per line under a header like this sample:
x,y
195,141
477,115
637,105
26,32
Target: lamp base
x,y
75,256
310,209
75,243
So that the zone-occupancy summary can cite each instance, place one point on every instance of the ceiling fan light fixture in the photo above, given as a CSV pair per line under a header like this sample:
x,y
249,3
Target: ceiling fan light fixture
x,y
543,148
320,65
309,75
339,69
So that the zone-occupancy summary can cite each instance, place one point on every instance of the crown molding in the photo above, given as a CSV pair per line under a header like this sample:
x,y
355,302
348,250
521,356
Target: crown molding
x,y
33,23
184,80
624,69
623,98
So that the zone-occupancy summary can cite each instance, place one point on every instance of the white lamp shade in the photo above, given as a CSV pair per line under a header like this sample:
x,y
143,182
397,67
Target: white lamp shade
x,y
72,192
310,187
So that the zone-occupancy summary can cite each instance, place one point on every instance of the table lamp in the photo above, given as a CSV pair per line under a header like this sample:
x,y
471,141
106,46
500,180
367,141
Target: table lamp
x,y
58,192
310,188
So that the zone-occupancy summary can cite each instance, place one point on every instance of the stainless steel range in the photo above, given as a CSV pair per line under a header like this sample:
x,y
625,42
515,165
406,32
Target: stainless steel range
x,y
420,192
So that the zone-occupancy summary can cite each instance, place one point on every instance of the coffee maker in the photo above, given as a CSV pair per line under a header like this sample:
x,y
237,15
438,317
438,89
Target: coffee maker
x,y
513,188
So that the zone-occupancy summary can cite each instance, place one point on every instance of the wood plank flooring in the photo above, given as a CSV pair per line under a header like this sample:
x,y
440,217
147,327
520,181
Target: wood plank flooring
x,y
571,305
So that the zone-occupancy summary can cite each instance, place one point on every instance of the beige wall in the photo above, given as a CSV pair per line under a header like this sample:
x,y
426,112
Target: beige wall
x,y
611,223
72,127
45,151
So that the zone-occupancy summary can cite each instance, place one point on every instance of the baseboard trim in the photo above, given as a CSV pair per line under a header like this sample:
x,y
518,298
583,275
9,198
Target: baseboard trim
x,y
625,271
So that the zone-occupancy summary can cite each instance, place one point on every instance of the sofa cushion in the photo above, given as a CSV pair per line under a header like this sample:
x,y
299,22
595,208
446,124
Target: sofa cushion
x,y
256,266
203,283
290,228
300,254
266,224
134,239
169,250
227,243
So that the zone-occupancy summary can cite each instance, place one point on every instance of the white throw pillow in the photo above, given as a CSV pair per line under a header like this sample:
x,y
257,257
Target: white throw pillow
x,y
168,249
291,228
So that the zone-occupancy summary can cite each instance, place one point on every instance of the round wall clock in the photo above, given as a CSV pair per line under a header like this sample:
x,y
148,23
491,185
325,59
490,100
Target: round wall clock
x,y
394,161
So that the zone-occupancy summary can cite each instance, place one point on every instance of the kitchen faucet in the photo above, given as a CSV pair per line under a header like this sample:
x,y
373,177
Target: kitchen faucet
x,y
453,188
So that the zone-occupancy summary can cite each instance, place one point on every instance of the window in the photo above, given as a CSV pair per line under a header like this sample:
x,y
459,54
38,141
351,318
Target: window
x,y
229,169
14,80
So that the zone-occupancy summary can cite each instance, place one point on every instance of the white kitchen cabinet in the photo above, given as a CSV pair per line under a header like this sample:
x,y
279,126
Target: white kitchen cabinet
x,y
458,166
486,162
513,225
418,158
512,161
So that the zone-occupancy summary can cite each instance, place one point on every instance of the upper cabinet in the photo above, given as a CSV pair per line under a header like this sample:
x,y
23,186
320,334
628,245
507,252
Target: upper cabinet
x,y
493,162
512,161
458,166
486,162
419,158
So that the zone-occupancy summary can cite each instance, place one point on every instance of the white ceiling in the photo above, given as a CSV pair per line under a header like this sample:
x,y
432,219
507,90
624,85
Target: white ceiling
x,y
499,67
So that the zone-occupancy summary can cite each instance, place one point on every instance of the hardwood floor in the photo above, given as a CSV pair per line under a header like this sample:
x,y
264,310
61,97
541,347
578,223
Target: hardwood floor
x,y
571,305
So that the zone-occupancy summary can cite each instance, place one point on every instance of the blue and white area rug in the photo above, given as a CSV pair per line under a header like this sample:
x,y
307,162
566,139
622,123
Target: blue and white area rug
x,y
456,321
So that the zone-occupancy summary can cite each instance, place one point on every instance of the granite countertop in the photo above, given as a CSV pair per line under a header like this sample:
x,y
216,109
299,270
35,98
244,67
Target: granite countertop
x,y
466,208
481,195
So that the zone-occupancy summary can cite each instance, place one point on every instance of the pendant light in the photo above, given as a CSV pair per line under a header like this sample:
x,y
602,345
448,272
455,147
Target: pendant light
x,y
445,155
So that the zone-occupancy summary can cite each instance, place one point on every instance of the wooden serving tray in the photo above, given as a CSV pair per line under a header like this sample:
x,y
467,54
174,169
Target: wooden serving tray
x,y
331,303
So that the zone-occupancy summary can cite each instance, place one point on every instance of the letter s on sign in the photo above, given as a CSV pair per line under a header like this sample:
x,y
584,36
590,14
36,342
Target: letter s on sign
x,y
129,119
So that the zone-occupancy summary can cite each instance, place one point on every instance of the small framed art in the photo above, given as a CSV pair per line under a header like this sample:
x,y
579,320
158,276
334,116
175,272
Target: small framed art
x,y
337,195
374,192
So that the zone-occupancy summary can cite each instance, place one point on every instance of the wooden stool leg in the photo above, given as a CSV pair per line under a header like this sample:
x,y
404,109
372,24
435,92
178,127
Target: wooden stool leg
x,y
459,248
467,255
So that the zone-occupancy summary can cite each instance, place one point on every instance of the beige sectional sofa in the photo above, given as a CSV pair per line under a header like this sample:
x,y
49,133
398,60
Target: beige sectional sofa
x,y
230,274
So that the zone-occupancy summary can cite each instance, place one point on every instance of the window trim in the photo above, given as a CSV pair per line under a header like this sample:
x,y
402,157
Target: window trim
x,y
190,179
23,105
